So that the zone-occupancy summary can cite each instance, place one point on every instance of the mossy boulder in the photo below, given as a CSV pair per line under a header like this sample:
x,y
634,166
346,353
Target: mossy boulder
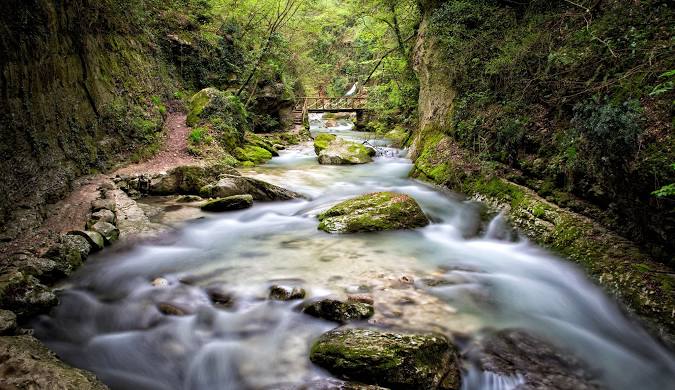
x,y
393,360
25,295
198,103
188,180
397,136
94,239
373,212
230,185
342,152
109,232
250,155
321,141
339,311
230,203
28,364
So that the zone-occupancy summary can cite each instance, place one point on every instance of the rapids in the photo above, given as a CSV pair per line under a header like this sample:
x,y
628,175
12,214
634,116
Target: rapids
x,y
108,321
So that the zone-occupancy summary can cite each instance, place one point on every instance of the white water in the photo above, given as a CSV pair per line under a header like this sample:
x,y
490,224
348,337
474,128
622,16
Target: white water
x,y
108,320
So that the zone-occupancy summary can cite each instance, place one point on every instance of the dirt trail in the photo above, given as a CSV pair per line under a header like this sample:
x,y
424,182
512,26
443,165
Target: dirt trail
x,y
72,212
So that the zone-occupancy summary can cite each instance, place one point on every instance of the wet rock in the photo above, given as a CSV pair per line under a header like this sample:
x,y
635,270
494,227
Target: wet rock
x,y
189,199
103,215
373,212
285,293
160,282
339,311
394,360
230,203
45,270
514,352
94,239
278,146
322,140
103,204
7,322
25,295
107,230
27,364
328,384
172,310
230,185
221,297
362,298
343,152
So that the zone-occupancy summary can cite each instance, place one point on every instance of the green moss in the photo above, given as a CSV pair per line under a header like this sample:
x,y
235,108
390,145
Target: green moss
x,y
252,154
322,140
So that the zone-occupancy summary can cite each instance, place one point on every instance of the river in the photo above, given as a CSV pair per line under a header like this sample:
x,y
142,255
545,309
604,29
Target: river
x,y
108,321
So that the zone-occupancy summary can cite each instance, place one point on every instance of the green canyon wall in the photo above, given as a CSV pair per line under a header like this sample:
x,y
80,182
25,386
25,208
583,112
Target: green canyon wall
x,y
560,115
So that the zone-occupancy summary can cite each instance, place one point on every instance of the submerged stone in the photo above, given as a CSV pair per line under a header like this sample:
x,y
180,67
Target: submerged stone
x,y
285,293
230,203
339,311
393,360
373,212
343,152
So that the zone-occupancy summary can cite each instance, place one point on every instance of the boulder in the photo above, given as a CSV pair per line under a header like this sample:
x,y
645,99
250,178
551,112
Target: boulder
x,y
189,199
373,212
71,250
188,180
339,311
512,352
321,141
28,364
394,360
103,204
107,230
7,322
285,293
230,203
230,185
25,295
95,239
103,215
343,152
44,269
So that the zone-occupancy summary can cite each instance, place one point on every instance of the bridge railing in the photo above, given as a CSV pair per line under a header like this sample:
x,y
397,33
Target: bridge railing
x,y
325,103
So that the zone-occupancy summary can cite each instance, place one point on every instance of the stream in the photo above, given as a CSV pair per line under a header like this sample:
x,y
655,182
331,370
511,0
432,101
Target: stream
x,y
108,321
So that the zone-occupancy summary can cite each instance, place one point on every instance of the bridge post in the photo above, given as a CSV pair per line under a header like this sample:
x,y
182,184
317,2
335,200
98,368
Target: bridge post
x,y
362,119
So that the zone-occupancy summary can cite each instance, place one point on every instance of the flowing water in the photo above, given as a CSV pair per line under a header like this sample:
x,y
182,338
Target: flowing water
x,y
108,320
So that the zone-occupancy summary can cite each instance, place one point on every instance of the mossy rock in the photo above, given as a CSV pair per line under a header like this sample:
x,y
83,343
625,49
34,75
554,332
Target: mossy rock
x,y
322,140
253,154
398,136
188,180
373,212
393,360
230,203
28,364
342,152
25,295
198,103
339,311
230,185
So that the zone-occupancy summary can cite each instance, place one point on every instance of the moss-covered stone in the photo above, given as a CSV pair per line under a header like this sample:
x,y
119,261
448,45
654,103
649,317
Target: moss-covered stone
x,y
322,140
27,364
373,212
398,136
342,152
188,180
394,360
339,311
230,203
229,185
252,154
198,103
25,295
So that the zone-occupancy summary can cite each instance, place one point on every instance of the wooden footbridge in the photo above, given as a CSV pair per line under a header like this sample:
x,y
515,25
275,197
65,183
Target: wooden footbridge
x,y
307,104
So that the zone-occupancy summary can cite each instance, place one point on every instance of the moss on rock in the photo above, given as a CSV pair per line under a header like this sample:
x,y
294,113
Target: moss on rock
x,y
373,212
322,140
394,360
342,152
230,203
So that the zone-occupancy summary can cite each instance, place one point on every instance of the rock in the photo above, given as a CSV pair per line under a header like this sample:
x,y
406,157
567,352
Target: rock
x,y
109,232
339,311
397,361
230,185
7,322
171,309
234,202
45,270
103,215
27,364
398,136
221,297
363,298
95,239
188,180
71,251
160,282
278,147
103,204
285,293
25,295
189,199
373,212
327,384
343,152
322,140
512,352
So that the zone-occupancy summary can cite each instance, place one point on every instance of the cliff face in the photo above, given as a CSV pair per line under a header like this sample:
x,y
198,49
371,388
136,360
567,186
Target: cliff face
x,y
69,73
524,120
